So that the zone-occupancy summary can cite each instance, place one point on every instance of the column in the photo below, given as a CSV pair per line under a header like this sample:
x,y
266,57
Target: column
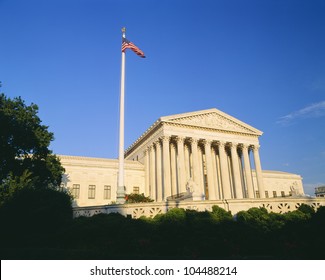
x,y
201,182
215,172
209,167
146,170
195,158
166,168
224,171
159,171
258,170
235,167
152,174
181,165
173,169
248,172
187,163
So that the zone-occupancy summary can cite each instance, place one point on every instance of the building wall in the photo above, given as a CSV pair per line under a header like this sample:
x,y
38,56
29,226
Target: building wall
x,y
277,181
99,172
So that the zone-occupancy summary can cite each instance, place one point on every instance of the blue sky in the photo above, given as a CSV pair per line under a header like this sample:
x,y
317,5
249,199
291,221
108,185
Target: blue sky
x,y
262,62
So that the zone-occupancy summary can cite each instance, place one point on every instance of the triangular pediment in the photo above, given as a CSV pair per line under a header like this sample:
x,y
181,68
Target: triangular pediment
x,y
212,119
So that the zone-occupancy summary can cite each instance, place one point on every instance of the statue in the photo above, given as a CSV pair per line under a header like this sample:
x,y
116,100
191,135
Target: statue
x,y
193,188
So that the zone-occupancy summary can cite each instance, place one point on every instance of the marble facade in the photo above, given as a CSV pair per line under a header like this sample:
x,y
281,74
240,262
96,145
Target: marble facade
x,y
209,153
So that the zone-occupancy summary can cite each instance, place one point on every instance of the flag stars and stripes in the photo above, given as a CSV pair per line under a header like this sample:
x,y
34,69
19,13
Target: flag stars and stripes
x,y
126,44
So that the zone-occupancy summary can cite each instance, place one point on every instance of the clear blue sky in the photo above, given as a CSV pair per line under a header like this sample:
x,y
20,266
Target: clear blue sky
x,y
262,62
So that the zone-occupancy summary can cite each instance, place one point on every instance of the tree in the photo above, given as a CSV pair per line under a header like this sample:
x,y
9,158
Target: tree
x,y
137,198
221,214
25,158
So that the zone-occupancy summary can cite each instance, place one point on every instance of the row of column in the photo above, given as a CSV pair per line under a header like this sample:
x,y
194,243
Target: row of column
x,y
221,170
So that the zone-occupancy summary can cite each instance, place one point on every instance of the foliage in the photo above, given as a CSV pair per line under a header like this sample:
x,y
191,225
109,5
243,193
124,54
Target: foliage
x,y
177,234
306,209
137,198
34,214
221,214
25,158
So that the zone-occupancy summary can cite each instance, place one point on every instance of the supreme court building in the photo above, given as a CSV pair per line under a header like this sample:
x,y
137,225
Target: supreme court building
x,y
199,156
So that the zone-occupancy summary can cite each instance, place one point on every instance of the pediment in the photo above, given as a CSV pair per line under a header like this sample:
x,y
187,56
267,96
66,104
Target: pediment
x,y
212,119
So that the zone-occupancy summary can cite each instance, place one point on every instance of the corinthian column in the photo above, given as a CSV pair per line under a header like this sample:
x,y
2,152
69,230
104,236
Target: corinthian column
x,y
181,164
146,171
248,172
152,174
235,167
173,170
258,170
166,168
158,171
209,166
224,171
195,160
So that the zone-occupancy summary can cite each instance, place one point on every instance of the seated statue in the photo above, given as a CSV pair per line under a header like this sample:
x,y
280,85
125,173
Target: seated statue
x,y
193,188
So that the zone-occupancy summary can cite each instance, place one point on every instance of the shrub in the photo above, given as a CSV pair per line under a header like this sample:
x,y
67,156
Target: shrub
x,y
36,211
137,198
221,214
306,209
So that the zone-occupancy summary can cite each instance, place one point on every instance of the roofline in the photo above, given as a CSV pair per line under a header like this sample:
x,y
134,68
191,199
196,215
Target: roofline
x,y
165,119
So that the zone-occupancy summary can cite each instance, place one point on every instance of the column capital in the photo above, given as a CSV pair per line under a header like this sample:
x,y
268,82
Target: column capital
x,y
222,144
207,142
233,145
165,138
255,147
193,140
245,146
157,142
180,139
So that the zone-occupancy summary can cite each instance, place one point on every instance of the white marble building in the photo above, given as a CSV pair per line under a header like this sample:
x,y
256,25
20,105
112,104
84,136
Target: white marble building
x,y
209,153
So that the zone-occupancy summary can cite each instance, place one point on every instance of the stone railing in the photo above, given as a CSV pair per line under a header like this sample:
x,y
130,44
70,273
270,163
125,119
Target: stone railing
x,y
136,210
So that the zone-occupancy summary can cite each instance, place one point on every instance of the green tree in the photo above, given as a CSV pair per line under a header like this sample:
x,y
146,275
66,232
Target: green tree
x,y
32,217
221,214
137,198
25,158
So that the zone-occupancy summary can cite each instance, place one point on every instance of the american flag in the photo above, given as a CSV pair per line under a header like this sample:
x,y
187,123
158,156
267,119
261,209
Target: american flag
x,y
126,44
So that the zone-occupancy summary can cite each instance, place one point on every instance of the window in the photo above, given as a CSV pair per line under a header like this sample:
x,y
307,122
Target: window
x,y
107,192
266,194
75,191
136,190
283,194
91,191
274,194
257,194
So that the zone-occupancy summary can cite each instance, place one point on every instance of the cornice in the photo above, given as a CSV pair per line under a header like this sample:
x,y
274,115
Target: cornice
x,y
151,131
172,120
67,160
212,129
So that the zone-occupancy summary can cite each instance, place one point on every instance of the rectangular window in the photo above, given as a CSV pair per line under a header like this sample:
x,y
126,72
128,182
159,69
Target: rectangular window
x,y
75,191
91,191
136,190
107,192
266,194
257,194
274,194
283,194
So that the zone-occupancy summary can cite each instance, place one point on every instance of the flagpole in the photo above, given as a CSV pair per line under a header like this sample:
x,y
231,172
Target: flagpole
x,y
120,194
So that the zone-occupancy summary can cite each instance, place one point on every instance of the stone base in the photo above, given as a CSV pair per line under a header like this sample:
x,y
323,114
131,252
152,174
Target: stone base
x,y
277,205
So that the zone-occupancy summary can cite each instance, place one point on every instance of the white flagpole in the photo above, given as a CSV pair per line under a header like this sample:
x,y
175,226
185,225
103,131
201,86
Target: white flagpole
x,y
120,194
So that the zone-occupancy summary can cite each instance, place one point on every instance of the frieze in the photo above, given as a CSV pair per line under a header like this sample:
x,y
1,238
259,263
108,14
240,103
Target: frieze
x,y
213,120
